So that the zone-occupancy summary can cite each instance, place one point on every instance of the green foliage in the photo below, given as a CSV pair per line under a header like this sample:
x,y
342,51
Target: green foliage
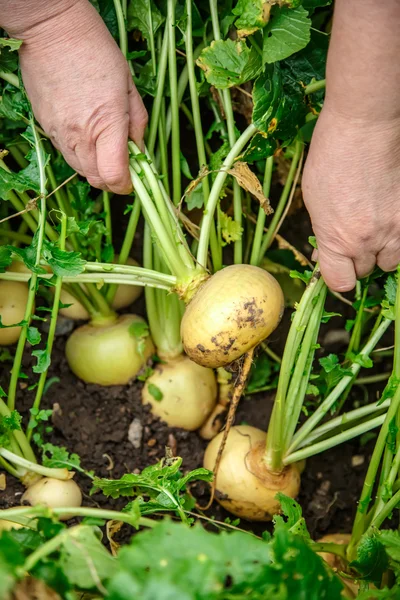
x,y
140,331
162,484
227,63
33,335
252,15
286,33
144,16
371,560
263,374
8,424
155,392
231,230
63,263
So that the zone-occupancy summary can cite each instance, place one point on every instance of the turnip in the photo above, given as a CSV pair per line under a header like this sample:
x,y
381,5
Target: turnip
x,y
233,311
244,485
76,311
13,299
109,352
187,393
54,493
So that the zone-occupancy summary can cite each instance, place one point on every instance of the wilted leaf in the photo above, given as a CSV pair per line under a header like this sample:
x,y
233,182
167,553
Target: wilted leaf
x,y
231,230
252,15
250,182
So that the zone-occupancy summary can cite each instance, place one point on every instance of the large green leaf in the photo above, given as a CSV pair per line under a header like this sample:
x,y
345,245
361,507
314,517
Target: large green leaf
x,y
144,16
227,63
252,15
286,33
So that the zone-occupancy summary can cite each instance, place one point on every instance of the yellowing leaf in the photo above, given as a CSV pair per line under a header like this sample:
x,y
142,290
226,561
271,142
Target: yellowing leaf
x,y
231,230
250,182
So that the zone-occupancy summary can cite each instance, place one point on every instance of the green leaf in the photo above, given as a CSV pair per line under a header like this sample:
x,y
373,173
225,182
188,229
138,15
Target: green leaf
x,y
371,559
58,457
63,263
294,521
20,324
231,230
33,335
362,360
305,276
2,393
11,558
392,436
253,15
43,360
155,392
84,559
185,168
140,331
11,43
227,63
390,540
144,16
327,316
287,32
5,258
107,12
390,289
329,363
195,198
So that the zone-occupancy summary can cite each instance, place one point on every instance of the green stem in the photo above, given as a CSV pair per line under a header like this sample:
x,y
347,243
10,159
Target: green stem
x,y
344,420
62,474
15,235
355,339
10,78
216,249
107,218
173,88
372,379
18,434
126,245
335,440
156,108
335,394
270,235
10,469
18,156
315,87
274,447
215,192
386,511
52,329
123,38
259,231
12,391
330,547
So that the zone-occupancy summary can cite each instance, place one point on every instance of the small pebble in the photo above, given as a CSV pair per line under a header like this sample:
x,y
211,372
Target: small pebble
x,y
357,460
152,442
135,433
63,327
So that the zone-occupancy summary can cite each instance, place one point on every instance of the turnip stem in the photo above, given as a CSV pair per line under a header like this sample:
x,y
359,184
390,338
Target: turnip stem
x,y
62,474
52,329
10,78
158,100
18,434
334,395
15,235
126,245
386,511
335,440
311,88
230,121
215,192
12,390
269,236
216,250
107,216
173,89
343,420
14,472
259,231
274,447
123,38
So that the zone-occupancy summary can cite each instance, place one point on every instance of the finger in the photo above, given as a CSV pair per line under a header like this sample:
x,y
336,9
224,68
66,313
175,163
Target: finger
x,y
389,257
364,265
137,117
87,158
337,270
112,158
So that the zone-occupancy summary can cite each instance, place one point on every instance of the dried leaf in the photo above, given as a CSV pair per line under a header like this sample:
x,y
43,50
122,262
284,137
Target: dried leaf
x,y
33,589
249,182
112,528
285,245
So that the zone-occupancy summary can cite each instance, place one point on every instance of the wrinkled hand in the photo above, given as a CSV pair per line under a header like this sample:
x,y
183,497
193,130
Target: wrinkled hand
x,y
351,187
82,94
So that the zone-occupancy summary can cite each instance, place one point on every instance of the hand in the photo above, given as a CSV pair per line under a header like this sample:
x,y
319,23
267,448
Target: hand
x,y
82,94
351,187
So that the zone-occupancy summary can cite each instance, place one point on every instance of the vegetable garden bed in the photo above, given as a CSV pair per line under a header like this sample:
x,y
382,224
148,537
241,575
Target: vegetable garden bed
x,y
237,383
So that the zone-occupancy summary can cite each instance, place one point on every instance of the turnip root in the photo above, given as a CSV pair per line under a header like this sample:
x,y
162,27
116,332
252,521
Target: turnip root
x,y
244,486
188,390
54,493
108,353
13,299
76,311
233,311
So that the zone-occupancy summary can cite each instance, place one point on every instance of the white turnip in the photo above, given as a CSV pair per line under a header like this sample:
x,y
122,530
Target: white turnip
x,y
13,299
54,493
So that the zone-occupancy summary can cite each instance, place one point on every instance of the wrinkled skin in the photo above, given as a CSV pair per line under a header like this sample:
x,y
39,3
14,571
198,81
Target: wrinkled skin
x,y
351,187
82,93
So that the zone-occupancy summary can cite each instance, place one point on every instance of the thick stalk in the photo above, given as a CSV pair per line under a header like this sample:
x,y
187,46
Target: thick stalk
x,y
274,447
335,394
12,390
259,231
10,78
52,329
215,194
156,108
15,235
31,467
173,88
107,217
126,245
269,236
123,38
315,86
